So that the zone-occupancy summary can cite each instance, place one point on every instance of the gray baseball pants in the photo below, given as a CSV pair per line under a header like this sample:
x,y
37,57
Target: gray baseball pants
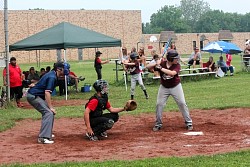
x,y
47,115
178,95
134,79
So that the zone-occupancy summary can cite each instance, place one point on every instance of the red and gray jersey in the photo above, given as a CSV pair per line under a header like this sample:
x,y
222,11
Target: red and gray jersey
x,y
170,81
134,69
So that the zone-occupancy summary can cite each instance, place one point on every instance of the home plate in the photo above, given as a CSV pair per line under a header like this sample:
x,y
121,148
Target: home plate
x,y
193,133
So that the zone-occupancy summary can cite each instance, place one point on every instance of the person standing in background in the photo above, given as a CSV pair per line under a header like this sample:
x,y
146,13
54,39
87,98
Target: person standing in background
x,y
229,65
16,77
98,64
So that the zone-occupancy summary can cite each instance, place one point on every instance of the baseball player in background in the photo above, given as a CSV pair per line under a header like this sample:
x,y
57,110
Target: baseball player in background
x,y
170,85
133,66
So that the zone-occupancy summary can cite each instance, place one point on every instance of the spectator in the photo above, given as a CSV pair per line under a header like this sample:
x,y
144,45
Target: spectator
x,y
74,80
48,68
33,77
98,123
98,64
142,59
133,50
15,76
229,65
222,64
153,61
124,55
42,72
195,58
210,64
39,96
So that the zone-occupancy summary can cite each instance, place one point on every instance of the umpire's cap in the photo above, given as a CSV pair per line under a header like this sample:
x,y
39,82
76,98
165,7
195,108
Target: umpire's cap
x,y
58,65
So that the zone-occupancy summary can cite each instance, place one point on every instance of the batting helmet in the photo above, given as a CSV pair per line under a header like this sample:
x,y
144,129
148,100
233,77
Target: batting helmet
x,y
101,86
133,55
171,55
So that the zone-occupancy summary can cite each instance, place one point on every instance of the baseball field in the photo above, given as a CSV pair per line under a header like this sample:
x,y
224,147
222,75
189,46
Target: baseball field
x,y
219,107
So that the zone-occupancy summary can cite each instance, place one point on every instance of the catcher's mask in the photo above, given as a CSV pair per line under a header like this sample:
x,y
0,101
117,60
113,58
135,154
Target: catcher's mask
x,y
101,86
171,55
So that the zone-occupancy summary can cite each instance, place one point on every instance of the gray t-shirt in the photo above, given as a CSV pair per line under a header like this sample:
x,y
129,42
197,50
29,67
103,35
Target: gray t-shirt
x,y
193,54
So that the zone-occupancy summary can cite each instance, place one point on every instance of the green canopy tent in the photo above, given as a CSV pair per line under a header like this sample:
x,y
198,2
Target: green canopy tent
x,y
62,36
65,35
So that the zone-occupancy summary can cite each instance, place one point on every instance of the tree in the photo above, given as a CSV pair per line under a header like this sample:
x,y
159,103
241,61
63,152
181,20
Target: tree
x,y
192,11
168,18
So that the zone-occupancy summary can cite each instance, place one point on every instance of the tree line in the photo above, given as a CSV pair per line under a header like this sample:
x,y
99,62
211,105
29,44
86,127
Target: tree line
x,y
195,16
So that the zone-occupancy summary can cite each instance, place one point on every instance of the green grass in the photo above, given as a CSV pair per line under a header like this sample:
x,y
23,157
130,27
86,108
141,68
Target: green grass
x,y
209,93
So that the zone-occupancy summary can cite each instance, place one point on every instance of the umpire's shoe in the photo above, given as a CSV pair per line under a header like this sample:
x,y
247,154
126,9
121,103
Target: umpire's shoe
x,y
157,128
41,140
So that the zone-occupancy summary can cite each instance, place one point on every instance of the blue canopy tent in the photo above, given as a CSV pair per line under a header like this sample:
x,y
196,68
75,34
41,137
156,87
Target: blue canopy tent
x,y
227,47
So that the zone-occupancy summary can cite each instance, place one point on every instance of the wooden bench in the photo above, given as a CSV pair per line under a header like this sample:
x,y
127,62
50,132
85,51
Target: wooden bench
x,y
245,63
191,74
195,74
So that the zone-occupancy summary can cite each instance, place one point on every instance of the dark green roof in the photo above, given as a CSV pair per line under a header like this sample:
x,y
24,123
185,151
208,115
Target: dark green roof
x,y
65,35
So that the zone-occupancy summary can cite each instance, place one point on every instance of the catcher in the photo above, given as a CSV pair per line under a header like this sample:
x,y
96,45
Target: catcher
x,y
98,123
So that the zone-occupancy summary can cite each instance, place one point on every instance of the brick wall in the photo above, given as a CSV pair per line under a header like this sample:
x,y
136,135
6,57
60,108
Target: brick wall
x,y
124,25
184,42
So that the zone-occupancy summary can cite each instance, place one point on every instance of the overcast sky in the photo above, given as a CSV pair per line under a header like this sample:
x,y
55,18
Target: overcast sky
x,y
147,7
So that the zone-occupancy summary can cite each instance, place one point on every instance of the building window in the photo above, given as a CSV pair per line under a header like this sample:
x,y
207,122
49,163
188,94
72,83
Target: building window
x,y
201,45
194,44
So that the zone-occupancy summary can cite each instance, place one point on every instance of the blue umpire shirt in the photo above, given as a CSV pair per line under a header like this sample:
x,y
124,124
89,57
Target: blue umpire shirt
x,y
47,82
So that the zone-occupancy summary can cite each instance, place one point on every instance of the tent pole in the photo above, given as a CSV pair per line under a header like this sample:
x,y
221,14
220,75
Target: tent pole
x,y
7,47
65,77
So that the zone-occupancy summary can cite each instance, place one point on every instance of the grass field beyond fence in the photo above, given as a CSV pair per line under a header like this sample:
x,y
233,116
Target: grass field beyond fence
x,y
210,93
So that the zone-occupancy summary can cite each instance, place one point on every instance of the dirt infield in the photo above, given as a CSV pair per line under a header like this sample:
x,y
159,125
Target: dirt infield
x,y
131,138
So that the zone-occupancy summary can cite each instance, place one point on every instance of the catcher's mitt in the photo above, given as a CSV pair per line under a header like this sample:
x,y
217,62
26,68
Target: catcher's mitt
x,y
130,105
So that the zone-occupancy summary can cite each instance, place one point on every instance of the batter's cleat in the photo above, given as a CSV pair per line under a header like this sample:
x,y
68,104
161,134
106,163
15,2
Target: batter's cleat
x,y
92,137
190,127
104,134
156,128
41,140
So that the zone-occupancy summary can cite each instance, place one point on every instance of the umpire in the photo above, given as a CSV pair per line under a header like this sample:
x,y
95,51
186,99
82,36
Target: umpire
x,y
39,96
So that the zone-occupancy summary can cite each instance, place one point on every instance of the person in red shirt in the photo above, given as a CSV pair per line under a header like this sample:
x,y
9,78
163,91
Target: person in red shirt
x,y
229,65
98,64
15,75
98,123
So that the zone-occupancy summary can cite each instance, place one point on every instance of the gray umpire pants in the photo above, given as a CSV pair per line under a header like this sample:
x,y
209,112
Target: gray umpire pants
x,y
134,79
178,95
47,115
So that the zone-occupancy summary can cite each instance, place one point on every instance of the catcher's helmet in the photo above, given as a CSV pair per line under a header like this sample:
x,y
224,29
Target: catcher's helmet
x,y
133,55
101,86
171,55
